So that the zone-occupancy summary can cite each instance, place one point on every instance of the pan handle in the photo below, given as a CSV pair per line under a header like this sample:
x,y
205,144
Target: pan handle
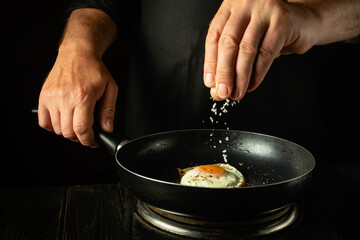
x,y
112,141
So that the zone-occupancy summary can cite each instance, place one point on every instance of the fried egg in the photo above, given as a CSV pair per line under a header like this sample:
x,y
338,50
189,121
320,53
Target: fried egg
x,y
219,175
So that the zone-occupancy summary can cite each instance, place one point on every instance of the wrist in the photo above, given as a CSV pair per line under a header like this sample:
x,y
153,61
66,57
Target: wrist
x,y
78,48
88,32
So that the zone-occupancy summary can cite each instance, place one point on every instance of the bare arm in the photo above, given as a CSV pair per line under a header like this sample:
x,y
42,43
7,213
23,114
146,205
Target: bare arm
x,y
340,20
79,79
246,36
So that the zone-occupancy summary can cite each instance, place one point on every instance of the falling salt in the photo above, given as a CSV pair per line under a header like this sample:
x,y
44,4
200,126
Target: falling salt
x,y
225,158
213,109
217,112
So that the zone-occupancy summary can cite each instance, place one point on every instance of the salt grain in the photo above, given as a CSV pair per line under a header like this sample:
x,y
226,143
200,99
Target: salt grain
x,y
225,158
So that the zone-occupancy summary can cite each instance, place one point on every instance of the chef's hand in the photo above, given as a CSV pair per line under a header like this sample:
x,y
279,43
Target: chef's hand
x,y
79,80
245,37
69,95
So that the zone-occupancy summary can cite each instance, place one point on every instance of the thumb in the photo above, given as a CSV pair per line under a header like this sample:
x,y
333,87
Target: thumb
x,y
107,106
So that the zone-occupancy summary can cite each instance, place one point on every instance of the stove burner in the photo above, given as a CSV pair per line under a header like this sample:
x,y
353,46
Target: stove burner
x,y
263,224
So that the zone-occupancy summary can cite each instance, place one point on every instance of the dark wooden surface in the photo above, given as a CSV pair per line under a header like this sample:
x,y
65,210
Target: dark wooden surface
x,y
101,211
69,212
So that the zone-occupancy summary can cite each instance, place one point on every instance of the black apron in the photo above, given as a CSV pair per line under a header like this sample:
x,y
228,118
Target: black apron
x,y
165,87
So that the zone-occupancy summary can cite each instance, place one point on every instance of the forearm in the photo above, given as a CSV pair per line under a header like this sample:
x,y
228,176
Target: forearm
x,y
339,19
88,31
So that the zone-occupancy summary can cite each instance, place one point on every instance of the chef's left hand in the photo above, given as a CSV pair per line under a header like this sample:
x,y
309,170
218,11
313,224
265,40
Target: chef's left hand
x,y
245,37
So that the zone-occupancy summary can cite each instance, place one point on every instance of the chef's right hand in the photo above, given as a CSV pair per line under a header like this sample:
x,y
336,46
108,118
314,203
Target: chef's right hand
x,y
77,82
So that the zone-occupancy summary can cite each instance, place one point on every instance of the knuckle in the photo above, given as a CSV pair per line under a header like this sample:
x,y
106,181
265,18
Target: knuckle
x,y
266,52
57,130
282,10
213,36
86,142
224,75
114,86
209,66
82,94
241,77
228,41
270,4
69,135
45,125
44,95
281,14
248,48
81,129
61,93
109,110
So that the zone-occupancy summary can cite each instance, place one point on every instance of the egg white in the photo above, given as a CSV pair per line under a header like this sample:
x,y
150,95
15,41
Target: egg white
x,y
232,178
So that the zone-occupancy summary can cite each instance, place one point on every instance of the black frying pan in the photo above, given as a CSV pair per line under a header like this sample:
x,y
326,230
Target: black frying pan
x,y
275,170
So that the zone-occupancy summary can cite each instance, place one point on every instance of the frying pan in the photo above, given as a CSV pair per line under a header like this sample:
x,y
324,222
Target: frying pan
x,y
276,171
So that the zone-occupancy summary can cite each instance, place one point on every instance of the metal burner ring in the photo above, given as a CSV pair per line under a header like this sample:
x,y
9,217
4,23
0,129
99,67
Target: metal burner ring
x,y
195,228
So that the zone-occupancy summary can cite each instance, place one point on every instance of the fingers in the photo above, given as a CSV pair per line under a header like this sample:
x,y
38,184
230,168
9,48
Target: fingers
x,y
107,107
75,122
243,40
248,51
82,125
211,45
44,118
269,49
72,123
67,125
228,49
236,53
67,102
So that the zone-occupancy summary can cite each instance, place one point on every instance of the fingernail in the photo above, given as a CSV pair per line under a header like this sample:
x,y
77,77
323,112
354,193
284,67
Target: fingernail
x,y
109,124
209,80
222,90
213,91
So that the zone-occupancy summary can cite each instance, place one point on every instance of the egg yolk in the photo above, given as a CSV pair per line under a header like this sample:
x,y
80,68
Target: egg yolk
x,y
210,170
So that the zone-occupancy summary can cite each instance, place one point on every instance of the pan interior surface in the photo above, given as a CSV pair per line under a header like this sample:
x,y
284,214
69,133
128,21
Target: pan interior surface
x,y
262,159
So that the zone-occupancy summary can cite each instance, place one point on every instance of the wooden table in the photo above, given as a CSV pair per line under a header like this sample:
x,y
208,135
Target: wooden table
x,y
68,212
97,211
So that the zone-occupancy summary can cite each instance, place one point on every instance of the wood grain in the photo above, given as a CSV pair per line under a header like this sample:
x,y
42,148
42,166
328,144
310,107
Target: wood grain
x,y
73,212
93,212
31,213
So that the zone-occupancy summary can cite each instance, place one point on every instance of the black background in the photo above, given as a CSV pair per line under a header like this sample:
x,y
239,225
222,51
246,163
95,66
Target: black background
x,y
31,156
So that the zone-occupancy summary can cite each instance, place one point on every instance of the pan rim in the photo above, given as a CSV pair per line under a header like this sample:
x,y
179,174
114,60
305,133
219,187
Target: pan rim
x,y
309,171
